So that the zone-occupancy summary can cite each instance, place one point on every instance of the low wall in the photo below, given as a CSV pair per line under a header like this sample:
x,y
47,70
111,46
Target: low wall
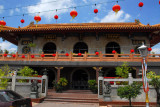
x,y
140,98
24,89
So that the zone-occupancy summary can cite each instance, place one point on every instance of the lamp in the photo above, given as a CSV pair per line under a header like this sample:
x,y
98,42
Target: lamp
x,y
143,51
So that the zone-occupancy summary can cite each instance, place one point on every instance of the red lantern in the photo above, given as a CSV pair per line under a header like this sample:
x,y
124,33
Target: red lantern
x,y
96,11
159,1
132,50
2,23
73,14
56,17
22,20
67,54
149,49
5,55
13,55
32,56
54,55
140,4
42,55
37,18
97,53
116,8
79,54
23,56
113,52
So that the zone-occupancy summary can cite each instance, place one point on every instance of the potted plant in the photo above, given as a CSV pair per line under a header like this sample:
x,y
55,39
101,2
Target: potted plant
x,y
32,45
59,86
93,86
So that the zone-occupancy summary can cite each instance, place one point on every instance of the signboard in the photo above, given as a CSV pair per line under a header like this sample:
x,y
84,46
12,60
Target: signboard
x,y
138,42
112,36
50,37
100,87
26,42
43,85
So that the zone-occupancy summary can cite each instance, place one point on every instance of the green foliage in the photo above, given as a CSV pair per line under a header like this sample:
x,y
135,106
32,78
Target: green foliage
x,y
6,51
60,85
4,71
26,72
91,82
155,82
31,45
123,70
152,74
63,82
93,86
57,87
129,91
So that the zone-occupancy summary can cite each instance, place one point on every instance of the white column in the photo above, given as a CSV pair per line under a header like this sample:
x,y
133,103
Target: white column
x,y
130,78
13,82
100,87
44,86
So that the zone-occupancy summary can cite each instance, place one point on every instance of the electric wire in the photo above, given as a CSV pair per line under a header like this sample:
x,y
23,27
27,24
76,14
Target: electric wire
x,y
62,8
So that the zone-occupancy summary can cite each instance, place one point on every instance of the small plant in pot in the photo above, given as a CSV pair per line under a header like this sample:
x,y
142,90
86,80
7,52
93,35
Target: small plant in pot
x,y
59,86
93,86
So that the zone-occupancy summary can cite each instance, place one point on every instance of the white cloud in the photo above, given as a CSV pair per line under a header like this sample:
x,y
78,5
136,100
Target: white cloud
x,y
85,1
96,19
156,50
121,16
1,8
17,10
11,12
12,50
50,6
8,46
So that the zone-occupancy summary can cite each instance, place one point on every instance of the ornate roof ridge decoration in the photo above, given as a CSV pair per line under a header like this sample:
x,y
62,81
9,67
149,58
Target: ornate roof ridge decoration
x,y
83,26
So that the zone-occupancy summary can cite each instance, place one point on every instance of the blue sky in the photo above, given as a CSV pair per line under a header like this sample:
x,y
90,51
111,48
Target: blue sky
x,y
130,11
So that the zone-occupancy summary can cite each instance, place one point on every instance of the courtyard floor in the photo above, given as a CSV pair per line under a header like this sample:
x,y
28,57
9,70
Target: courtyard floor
x,y
62,104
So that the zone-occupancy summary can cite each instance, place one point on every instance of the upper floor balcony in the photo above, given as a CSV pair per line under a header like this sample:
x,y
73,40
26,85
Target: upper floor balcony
x,y
84,57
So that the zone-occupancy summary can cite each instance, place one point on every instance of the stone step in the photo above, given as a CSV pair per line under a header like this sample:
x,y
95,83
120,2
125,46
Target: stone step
x,y
70,100
78,91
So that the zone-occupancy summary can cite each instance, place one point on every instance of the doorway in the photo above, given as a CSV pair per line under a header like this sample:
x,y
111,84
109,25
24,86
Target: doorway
x,y
80,79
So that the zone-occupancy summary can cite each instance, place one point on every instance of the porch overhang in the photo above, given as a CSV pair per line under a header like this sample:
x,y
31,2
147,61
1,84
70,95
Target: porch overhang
x,y
73,64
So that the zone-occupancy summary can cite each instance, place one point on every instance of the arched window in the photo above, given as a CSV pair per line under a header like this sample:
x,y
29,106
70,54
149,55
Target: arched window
x,y
113,46
49,48
80,47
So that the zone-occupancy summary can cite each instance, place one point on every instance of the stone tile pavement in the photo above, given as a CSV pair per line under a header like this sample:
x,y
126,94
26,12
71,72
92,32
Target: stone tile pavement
x,y
65,104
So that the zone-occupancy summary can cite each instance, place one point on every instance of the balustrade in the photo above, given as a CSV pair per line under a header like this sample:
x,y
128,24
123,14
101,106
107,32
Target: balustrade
x,y
83,57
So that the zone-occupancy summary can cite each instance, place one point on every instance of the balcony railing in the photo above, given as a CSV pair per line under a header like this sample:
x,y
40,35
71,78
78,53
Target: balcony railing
x,y
83,57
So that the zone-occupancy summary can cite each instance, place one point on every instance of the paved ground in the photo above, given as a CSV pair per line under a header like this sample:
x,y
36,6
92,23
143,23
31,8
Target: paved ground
x,y
60,104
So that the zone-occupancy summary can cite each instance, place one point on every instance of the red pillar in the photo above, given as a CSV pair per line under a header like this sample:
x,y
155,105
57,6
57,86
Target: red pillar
x,y
97,73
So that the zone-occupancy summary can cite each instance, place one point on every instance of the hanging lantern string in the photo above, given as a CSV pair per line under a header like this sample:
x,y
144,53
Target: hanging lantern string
x,y
64,8
56,13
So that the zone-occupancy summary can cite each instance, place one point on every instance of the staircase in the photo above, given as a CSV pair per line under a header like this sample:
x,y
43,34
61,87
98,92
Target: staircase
x,y
76,96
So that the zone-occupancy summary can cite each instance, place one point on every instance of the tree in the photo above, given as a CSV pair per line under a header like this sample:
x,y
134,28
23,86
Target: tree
x,y
26,72
129,91
4,71
155,82
123,70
